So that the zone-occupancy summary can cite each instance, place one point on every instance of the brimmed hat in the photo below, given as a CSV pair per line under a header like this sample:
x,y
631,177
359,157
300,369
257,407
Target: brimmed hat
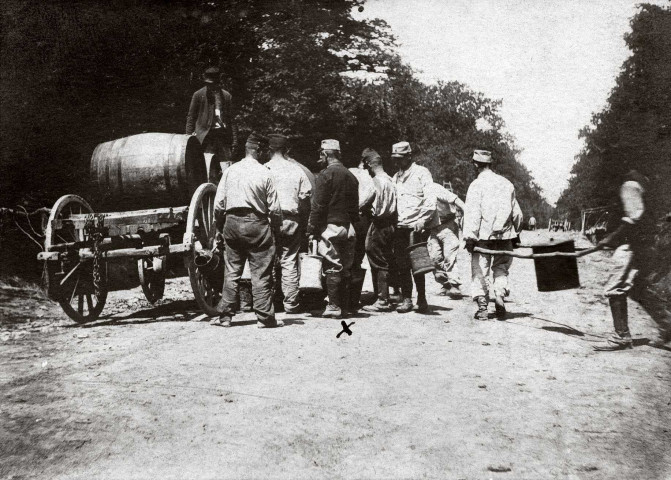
x,y
256,140
482,156
400,149
211,75
330,144
277,140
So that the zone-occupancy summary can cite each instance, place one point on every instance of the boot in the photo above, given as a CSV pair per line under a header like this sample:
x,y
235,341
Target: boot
x,y
405,306
500,307
381,281
482,302
333,310
345,297
422,305
621,339
355,291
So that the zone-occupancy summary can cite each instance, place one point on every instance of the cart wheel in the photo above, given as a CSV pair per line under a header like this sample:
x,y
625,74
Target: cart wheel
x,y
200,230
152,277
69,281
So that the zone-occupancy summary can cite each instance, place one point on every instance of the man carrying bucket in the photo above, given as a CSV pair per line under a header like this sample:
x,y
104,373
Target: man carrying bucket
x,y
294,191
627,242
380,236
416,207
247,211
492,220
443,243
335,207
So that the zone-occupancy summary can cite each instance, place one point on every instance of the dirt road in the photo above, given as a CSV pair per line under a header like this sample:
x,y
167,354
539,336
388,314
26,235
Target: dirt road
x,y
149,392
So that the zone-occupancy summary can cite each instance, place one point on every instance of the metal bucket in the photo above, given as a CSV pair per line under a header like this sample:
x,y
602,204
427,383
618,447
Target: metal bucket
x,y
310,279
557,273
420,261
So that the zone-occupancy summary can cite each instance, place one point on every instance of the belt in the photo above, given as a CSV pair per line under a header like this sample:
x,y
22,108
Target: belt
x,y
384,221
245,212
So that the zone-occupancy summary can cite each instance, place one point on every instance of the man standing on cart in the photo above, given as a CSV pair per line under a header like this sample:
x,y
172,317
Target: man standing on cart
x,y
247,211
210,119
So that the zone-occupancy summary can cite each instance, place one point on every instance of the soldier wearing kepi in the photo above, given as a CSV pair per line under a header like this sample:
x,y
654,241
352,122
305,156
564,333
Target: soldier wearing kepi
x,y
380,237
492,220
210,119
627,242
335,207
294,191
444,242
246,209
416,207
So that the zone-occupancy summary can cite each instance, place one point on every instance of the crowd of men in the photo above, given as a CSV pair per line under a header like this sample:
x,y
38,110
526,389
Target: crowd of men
x,y
268,204
268,207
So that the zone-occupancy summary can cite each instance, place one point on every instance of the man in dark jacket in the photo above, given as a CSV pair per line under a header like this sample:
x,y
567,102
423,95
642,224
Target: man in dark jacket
x,y
210,119
335,207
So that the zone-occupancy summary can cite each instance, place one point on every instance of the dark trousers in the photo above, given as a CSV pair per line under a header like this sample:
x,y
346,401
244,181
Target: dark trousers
x,y
380,251
402,237
248,237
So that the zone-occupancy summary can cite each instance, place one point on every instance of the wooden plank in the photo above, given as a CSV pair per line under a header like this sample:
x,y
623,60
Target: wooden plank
x,y
166,216
151,251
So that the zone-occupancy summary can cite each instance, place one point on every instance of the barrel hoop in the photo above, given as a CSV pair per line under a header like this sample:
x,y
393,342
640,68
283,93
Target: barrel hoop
x,y
166,165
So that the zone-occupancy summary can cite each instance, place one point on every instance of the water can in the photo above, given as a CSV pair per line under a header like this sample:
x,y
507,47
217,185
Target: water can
x,y
420,261
556,273
310,279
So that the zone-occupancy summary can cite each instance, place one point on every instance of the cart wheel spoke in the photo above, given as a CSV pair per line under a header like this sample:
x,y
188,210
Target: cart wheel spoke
x,y
89,302
80,304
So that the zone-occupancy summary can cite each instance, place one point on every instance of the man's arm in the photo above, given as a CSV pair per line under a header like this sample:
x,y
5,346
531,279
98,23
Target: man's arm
x,y
192,116
428,207
518,217
319,205
472,216
274,209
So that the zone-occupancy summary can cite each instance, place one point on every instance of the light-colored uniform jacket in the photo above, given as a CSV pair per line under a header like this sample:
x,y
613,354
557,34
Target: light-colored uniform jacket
x,y
492,211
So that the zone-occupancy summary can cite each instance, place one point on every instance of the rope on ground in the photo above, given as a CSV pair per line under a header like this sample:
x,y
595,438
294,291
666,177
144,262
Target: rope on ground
x,y
511,253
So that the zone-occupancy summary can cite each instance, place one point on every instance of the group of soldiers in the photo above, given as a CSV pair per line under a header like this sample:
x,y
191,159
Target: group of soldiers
x,y
268,204
269,207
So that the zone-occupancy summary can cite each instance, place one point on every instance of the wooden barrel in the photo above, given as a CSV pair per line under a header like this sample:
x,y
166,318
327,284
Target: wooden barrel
x,y
150,170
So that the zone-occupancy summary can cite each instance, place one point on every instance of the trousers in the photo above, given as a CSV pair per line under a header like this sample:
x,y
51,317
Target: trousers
x,y
484,266
402,239
249,238
623,271
288,247
443,246
336,246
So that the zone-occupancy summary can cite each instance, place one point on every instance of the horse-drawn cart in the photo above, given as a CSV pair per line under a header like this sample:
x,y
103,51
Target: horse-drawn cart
x,y
82,247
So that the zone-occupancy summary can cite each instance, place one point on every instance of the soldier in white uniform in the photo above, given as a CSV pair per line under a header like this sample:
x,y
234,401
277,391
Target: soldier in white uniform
x,y
492,220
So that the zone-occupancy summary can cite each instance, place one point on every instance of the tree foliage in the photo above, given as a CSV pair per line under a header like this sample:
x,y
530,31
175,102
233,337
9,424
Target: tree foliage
x,y
633,131
77,73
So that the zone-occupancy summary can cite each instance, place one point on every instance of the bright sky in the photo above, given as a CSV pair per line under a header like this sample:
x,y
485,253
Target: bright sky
x,y
552,62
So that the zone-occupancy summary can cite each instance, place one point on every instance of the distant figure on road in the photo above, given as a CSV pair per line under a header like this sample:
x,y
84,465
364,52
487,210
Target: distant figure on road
x,y
492,220
532,223
210,119
444,242
623,263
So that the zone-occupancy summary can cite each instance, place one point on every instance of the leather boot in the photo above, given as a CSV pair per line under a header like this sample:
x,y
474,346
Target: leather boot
x,y
333,308
345,296
621,339
481,313
355,290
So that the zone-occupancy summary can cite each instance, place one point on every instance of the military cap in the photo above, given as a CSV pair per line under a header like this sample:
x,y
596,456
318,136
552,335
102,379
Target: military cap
x,y
400,149
256,140
211,75
277,140
369,154
482,156
330,144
